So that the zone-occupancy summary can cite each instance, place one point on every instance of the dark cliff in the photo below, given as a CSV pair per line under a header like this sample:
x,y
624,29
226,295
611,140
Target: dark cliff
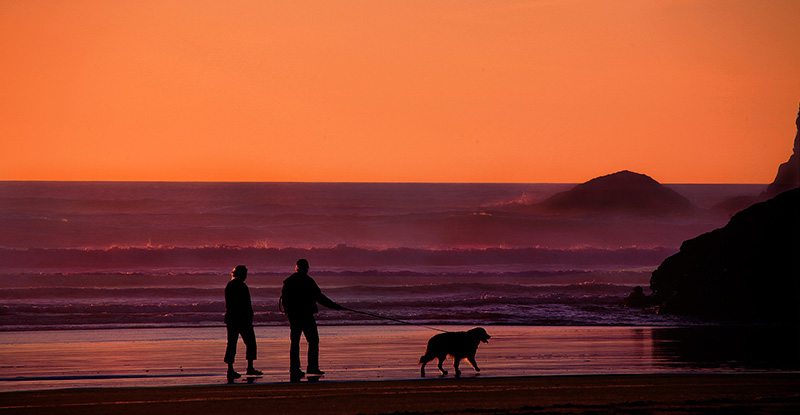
x,y
788,178
746,271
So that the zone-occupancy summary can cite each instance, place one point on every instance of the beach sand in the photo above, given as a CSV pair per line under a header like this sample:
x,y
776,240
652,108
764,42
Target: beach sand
x,y
374,370
163,357
633,394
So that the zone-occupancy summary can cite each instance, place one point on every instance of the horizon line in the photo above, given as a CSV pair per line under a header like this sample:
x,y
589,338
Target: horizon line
x,y
335,182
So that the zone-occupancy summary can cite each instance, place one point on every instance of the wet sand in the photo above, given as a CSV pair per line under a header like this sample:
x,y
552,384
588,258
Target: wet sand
x,y
193,356
636,394
373,370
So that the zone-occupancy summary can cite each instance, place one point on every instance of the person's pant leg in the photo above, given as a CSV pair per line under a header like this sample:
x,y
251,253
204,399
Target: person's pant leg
x,y
233,338
312,337
249,337
295,331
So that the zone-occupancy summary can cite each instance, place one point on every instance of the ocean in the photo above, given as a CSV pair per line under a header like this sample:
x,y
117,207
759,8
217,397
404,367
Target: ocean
x,y
122,255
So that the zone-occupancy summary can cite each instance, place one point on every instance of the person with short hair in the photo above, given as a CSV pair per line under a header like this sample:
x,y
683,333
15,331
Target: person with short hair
x,y
239,322
299,297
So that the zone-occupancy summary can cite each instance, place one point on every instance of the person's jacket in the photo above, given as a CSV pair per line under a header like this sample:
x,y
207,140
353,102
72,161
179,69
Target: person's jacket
x,y
238,309
300,295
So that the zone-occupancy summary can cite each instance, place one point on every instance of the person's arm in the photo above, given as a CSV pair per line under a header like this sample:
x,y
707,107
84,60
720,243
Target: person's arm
x,y
237,302
325,301
248,303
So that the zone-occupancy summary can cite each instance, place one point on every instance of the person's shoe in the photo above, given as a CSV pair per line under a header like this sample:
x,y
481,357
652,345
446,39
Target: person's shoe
x,y
296,374
315,372
233,375
253,372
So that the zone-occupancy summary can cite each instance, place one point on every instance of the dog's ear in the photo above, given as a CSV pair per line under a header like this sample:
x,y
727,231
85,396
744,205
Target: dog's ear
x,y
480,334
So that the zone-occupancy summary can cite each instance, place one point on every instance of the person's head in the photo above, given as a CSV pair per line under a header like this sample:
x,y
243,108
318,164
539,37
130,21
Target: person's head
x,y
302,265
240,272
637,289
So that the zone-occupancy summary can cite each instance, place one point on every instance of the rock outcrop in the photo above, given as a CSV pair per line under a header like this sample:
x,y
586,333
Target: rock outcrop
x,y
788,178
624,192
746,271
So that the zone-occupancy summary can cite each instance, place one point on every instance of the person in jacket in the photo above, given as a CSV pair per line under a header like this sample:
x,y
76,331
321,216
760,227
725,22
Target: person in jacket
x,y
239,321
299,297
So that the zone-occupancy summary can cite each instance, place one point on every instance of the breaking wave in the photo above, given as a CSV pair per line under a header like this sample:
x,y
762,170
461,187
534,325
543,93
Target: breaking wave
x,y
333,259
432,302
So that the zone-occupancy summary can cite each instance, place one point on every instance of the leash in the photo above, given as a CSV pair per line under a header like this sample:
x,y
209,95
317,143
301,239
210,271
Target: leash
x,y
394,319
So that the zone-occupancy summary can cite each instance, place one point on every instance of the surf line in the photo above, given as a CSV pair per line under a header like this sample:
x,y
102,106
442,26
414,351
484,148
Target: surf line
x,y
394,319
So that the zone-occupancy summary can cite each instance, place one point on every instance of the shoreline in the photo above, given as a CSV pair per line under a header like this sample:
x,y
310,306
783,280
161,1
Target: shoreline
x,y
193,357
650,393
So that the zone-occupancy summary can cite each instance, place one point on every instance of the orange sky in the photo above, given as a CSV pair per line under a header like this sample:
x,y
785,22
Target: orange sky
x,y
430,91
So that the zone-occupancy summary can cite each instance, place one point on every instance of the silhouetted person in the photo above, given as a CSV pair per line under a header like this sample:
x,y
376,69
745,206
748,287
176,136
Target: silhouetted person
x,y
636,299
299,297
239,321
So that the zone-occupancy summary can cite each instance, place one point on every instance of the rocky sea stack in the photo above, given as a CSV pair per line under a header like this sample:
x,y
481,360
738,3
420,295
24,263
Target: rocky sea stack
x,y
788,178
624,192
747,271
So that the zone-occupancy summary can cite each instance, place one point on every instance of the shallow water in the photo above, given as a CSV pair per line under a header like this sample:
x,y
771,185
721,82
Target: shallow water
x,y
119,301
193,356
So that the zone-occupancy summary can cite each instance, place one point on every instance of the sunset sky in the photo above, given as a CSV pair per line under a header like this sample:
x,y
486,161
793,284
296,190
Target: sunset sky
x,y
421,91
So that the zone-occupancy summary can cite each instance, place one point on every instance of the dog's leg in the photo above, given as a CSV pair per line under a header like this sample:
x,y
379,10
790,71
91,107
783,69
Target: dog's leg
x,y
456,361
424,361
441,369
473,363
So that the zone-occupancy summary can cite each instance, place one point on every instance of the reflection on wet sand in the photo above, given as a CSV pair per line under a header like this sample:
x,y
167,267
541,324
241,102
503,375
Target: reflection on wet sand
x,y
751,348
191,356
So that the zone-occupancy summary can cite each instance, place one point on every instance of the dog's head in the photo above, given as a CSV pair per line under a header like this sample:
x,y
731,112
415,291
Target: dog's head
x,y
480,334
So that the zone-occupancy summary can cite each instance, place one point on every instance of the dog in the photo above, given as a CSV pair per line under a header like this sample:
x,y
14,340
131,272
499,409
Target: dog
x,y
460,345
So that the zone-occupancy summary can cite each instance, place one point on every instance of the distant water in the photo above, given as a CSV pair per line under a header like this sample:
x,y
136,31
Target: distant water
x,y
108,254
